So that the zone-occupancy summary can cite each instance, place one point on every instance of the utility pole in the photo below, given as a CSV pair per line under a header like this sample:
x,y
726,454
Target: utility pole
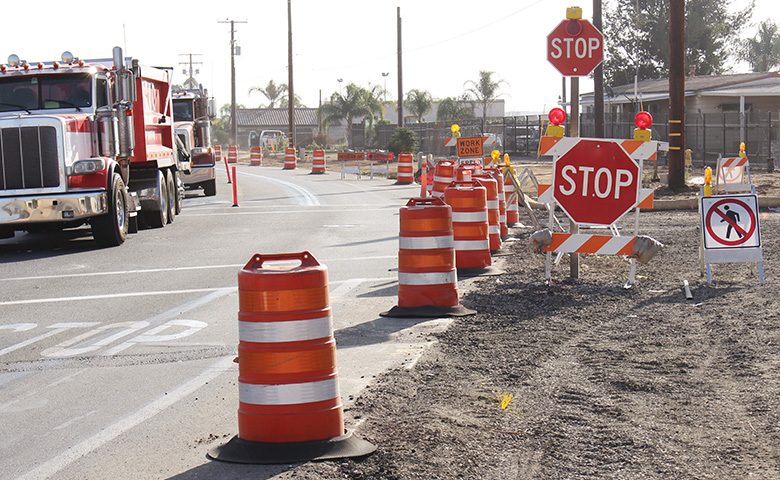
x,y
233,52
400,74
290,89
676,93
598,81
190,82
384,88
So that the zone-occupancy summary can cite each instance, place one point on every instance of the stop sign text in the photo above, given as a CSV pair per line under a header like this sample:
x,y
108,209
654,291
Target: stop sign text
x,y
575,48
601,184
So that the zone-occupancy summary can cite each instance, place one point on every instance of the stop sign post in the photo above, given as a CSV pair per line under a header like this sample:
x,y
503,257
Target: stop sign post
x,y
596,182
575,48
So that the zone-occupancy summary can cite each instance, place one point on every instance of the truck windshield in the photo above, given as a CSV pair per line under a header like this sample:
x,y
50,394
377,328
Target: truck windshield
x,y
182,111
45,92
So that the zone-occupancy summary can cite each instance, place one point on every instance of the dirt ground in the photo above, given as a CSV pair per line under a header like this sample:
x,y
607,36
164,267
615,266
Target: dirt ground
x,y
606,382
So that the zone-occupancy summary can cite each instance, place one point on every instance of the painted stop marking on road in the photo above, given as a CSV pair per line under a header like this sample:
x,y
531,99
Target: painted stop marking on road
x,y
730,222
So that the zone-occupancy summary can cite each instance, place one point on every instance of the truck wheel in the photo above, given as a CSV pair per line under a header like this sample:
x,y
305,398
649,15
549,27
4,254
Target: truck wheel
x,y
110,229
210,188
158,218
179,191
173,194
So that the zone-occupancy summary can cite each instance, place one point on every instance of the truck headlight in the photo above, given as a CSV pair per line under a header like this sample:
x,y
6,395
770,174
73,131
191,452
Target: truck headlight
x,y
85,167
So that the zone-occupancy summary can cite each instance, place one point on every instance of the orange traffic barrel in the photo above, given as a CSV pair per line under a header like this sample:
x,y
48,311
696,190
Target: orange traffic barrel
x,y
470,224
318,161
512,202
256,156
443,175
289,404
405,169
427,280
218,152
290,160
232,154
494,226
503,229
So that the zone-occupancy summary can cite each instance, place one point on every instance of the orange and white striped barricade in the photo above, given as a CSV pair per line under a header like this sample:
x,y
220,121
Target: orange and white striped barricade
x,y
443,175
256,157
232,156
290,159
494,217
512,202
318,161
504,231
290,409
405,169
470,227
733,176
218,152
427,280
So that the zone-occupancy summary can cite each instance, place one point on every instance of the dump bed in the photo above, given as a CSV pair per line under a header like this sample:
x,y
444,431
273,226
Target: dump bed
x,y
153,119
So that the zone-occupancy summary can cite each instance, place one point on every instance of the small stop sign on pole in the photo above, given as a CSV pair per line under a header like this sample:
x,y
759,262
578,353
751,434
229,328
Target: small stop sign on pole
x,y
575,48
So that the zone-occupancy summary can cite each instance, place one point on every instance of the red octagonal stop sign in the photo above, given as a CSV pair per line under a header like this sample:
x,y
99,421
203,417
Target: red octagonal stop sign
x,y
575,47
596,182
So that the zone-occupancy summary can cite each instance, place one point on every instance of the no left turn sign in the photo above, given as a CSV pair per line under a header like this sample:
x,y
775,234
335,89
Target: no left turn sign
x,y
730,221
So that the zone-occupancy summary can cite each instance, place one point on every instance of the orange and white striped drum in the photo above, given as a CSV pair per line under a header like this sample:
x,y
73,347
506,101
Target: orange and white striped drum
x,y
512,202
218,153
501,201
288,391
443,175
405,169
494,217
290,160
470,224
256,156
318,161
232,155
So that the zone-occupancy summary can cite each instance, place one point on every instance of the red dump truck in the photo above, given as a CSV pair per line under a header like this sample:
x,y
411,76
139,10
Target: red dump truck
x,y
87,141
192,114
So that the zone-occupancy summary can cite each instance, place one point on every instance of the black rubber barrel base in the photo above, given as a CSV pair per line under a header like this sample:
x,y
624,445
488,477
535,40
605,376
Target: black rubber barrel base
x,y
428,312
262,453
316,173
479,272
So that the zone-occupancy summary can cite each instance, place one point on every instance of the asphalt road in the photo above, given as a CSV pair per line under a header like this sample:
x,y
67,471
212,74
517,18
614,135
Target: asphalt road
x,y
118,363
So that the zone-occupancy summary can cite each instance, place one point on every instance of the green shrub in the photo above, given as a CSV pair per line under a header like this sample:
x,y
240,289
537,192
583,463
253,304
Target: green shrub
x,y
403,140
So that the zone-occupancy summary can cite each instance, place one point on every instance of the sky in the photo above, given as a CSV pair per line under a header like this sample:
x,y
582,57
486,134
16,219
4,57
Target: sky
x,y
445,44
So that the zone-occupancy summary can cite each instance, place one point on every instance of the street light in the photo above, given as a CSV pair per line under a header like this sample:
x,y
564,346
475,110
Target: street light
x,y
341,92
384,88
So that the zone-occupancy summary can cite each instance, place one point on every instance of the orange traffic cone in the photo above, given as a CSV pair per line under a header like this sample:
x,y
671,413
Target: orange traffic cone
x,y
427,281
318,161
289,404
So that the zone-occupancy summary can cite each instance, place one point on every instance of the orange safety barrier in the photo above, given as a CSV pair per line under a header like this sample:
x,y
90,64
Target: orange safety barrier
x,y
427,281
405,169
512,202
494,220
504,230
470,224
290,159
232,156
318,161
442,177
218,152
256,156
289,404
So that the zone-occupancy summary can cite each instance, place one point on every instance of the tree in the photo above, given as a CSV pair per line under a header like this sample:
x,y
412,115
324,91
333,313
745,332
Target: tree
x,y
762,51
297,102
346,107
273,92
402,140
484,91
637,33
453,109
419,102
220,126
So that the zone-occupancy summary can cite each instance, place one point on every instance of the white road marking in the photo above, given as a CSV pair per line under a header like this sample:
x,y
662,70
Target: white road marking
x,y
109,295
74,420
19,327
107,434
303,196
277,212
153,335
57,328
345,288
8,377
171,269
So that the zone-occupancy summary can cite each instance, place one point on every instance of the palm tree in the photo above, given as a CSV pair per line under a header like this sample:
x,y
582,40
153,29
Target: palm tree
x,y
346,107
285,101
419,102
272,92
485,91
455,109
763,50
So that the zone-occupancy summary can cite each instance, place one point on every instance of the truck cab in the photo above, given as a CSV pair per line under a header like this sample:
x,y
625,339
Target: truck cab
x,y
86,142
192,114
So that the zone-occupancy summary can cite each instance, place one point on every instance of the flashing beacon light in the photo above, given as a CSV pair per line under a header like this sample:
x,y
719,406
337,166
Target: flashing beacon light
x,y
708,182
455,129
557,117
742,150
507,162
495,154
643,121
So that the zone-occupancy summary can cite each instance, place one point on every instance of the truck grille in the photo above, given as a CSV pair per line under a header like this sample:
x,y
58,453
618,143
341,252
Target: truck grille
x,y
28,158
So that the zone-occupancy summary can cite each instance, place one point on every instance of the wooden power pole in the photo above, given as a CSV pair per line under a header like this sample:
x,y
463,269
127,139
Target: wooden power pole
x,y
290,88
400,74
598,81
676,93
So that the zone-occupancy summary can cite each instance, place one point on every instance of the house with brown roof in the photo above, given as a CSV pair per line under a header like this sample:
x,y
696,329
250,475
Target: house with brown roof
x,y
252,121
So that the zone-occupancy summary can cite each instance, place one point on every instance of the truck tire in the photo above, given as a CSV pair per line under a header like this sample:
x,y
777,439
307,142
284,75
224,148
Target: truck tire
x,y
179,191
210,188
173,195
159,218
110,230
